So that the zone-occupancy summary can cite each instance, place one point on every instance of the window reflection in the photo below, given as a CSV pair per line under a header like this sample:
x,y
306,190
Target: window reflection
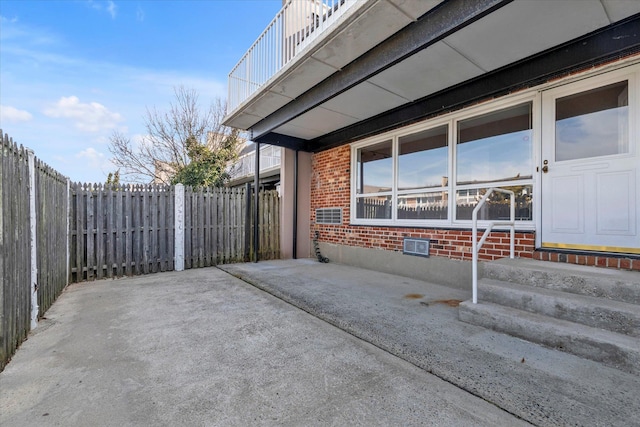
x,y
495,146
497,206
423,205
375,167
593,123
373,207
422,160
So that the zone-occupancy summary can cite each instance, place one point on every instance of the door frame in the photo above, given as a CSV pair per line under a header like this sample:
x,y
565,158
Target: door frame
x,y
628,71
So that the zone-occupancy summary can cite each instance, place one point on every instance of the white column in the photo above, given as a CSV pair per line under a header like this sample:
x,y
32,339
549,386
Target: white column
x,y
179,227
32,226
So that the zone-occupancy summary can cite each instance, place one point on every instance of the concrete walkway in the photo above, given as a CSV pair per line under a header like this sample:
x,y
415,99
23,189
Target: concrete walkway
x,y
411,319
202,348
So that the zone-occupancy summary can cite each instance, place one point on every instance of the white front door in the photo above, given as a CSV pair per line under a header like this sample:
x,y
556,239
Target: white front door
x,y
590,172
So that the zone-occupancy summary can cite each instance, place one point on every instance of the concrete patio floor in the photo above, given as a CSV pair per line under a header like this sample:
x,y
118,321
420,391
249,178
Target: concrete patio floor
x,y
403,316
201,348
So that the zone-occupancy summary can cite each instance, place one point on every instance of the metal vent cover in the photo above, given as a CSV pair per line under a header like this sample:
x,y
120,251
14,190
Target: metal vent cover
x,y
414,246
329,216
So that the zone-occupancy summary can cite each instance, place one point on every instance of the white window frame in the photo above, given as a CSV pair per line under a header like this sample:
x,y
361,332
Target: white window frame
x,y
450,120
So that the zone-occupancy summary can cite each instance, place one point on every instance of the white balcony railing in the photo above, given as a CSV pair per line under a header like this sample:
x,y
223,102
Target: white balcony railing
x,y
245,165
294,27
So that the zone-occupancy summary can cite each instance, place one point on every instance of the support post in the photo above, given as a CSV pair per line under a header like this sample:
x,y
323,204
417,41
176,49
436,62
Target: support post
x,y
256,222
32,227
247,223
179,228
294,252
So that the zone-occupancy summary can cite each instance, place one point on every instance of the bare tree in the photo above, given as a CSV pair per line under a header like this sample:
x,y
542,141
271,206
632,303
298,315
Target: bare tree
x,y
171,140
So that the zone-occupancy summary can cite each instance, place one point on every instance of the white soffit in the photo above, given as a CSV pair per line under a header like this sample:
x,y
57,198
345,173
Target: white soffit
x,y
415,9
526,27
426,72
309,73
317,122
375,25
266,104
620,9
363,101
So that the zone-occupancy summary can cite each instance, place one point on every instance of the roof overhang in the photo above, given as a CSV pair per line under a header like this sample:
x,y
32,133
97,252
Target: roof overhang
x,y
457,53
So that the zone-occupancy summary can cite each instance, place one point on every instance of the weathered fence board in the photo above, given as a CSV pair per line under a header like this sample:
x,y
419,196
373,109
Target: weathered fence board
x,y
51,219
15,261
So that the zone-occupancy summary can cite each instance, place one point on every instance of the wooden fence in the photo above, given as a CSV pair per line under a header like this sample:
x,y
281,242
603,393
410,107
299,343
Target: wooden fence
x,y
15,260
120,230
92,231
129,230
52,198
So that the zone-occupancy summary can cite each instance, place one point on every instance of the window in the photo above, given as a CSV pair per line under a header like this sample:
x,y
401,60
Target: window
x,y
404,179
374,181
494,148
593,123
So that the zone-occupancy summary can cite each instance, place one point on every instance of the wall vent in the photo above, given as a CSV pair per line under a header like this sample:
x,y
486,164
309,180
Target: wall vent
x,y
329,216
413,246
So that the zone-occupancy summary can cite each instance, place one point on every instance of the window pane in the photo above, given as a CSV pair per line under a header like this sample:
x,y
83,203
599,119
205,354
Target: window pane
x,y
423,205
375,168
497,207
373,207
593,123
495,146
422,161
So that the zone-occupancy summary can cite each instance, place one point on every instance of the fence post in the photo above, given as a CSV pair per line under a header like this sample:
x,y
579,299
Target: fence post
x,y
32,226
179,227
68,228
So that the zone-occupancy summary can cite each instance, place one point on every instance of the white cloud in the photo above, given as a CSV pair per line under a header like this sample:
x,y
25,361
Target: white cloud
x,y
95,160
92,117
110,7
12,114
140,14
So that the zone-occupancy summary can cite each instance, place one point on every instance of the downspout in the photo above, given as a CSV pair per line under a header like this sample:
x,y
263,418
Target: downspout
x,y
295,206
256,218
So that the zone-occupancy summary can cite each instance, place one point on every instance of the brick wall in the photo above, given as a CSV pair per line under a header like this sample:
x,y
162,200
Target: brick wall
x,y
331,186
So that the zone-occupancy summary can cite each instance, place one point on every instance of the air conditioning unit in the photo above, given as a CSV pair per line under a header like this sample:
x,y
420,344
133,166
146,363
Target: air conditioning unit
x,y
414,246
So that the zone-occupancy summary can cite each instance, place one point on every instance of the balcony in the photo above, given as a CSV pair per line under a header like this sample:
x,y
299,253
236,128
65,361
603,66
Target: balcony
x,y
244,168
306,43
297,24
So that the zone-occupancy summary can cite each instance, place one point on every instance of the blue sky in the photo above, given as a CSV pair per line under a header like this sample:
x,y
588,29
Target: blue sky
x,y
72,72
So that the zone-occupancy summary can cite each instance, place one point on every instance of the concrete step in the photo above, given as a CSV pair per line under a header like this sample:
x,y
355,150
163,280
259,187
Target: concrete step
x,y
615,316
609,348
578,279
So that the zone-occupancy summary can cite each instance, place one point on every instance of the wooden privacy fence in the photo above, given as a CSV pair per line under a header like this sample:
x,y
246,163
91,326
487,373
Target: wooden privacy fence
x,y
15,262
120,230
130,230
52,199
53,232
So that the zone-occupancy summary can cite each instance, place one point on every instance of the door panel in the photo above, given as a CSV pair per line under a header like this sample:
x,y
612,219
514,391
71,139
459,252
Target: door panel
x,y
567,205
589,184
616,210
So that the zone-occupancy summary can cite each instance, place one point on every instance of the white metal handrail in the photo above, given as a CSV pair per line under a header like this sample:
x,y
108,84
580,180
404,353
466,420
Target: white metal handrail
x,y
293,28
476,245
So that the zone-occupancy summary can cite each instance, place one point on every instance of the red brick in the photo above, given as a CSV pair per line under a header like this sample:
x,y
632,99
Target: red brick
x,y
613,262
625,264
635,264
601,261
